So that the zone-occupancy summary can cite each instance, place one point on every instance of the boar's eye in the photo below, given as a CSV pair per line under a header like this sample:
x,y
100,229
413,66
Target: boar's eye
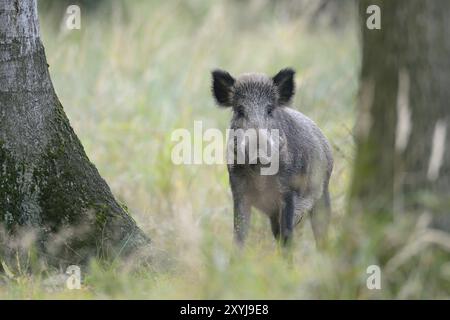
x,y
240,111
269,110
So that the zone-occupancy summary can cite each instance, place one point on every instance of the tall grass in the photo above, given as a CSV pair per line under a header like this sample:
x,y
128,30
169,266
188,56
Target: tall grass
x,y
136,71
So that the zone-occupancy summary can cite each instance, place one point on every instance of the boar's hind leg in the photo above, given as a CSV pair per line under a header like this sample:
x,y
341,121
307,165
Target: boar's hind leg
x,y
320,218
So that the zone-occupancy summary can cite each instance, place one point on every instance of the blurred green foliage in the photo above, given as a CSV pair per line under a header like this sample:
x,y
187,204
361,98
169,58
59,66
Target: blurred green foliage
x,y
139,69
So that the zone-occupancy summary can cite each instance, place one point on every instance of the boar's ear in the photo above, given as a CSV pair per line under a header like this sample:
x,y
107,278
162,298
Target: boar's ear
x,y
222,82
284,81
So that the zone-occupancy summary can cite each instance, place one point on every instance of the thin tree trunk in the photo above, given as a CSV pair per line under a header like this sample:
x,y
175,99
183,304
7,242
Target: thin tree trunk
x,y
48,186
403,150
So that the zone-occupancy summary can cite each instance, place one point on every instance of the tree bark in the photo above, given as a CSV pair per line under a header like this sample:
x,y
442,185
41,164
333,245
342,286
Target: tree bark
x,y
48,186
403,152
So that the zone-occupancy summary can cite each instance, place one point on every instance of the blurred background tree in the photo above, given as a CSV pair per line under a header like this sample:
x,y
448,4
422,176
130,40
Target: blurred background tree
x,y
399,193
402,160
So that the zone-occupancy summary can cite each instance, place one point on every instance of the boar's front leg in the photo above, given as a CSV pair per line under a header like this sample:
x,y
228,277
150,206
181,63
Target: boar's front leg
x,y
287,218
242,209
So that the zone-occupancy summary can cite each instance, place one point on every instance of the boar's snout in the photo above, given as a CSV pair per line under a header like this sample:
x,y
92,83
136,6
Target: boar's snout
x,y
261,147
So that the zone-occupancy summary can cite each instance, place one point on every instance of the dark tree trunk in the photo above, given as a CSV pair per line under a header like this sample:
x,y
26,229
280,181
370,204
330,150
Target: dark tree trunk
x,y
48,186
403,151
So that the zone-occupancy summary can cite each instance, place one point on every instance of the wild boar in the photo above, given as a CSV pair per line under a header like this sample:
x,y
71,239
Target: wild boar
x,y
305,161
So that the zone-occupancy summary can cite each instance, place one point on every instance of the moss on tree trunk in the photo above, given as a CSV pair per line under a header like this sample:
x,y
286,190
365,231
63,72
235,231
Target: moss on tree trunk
x,y
48,186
